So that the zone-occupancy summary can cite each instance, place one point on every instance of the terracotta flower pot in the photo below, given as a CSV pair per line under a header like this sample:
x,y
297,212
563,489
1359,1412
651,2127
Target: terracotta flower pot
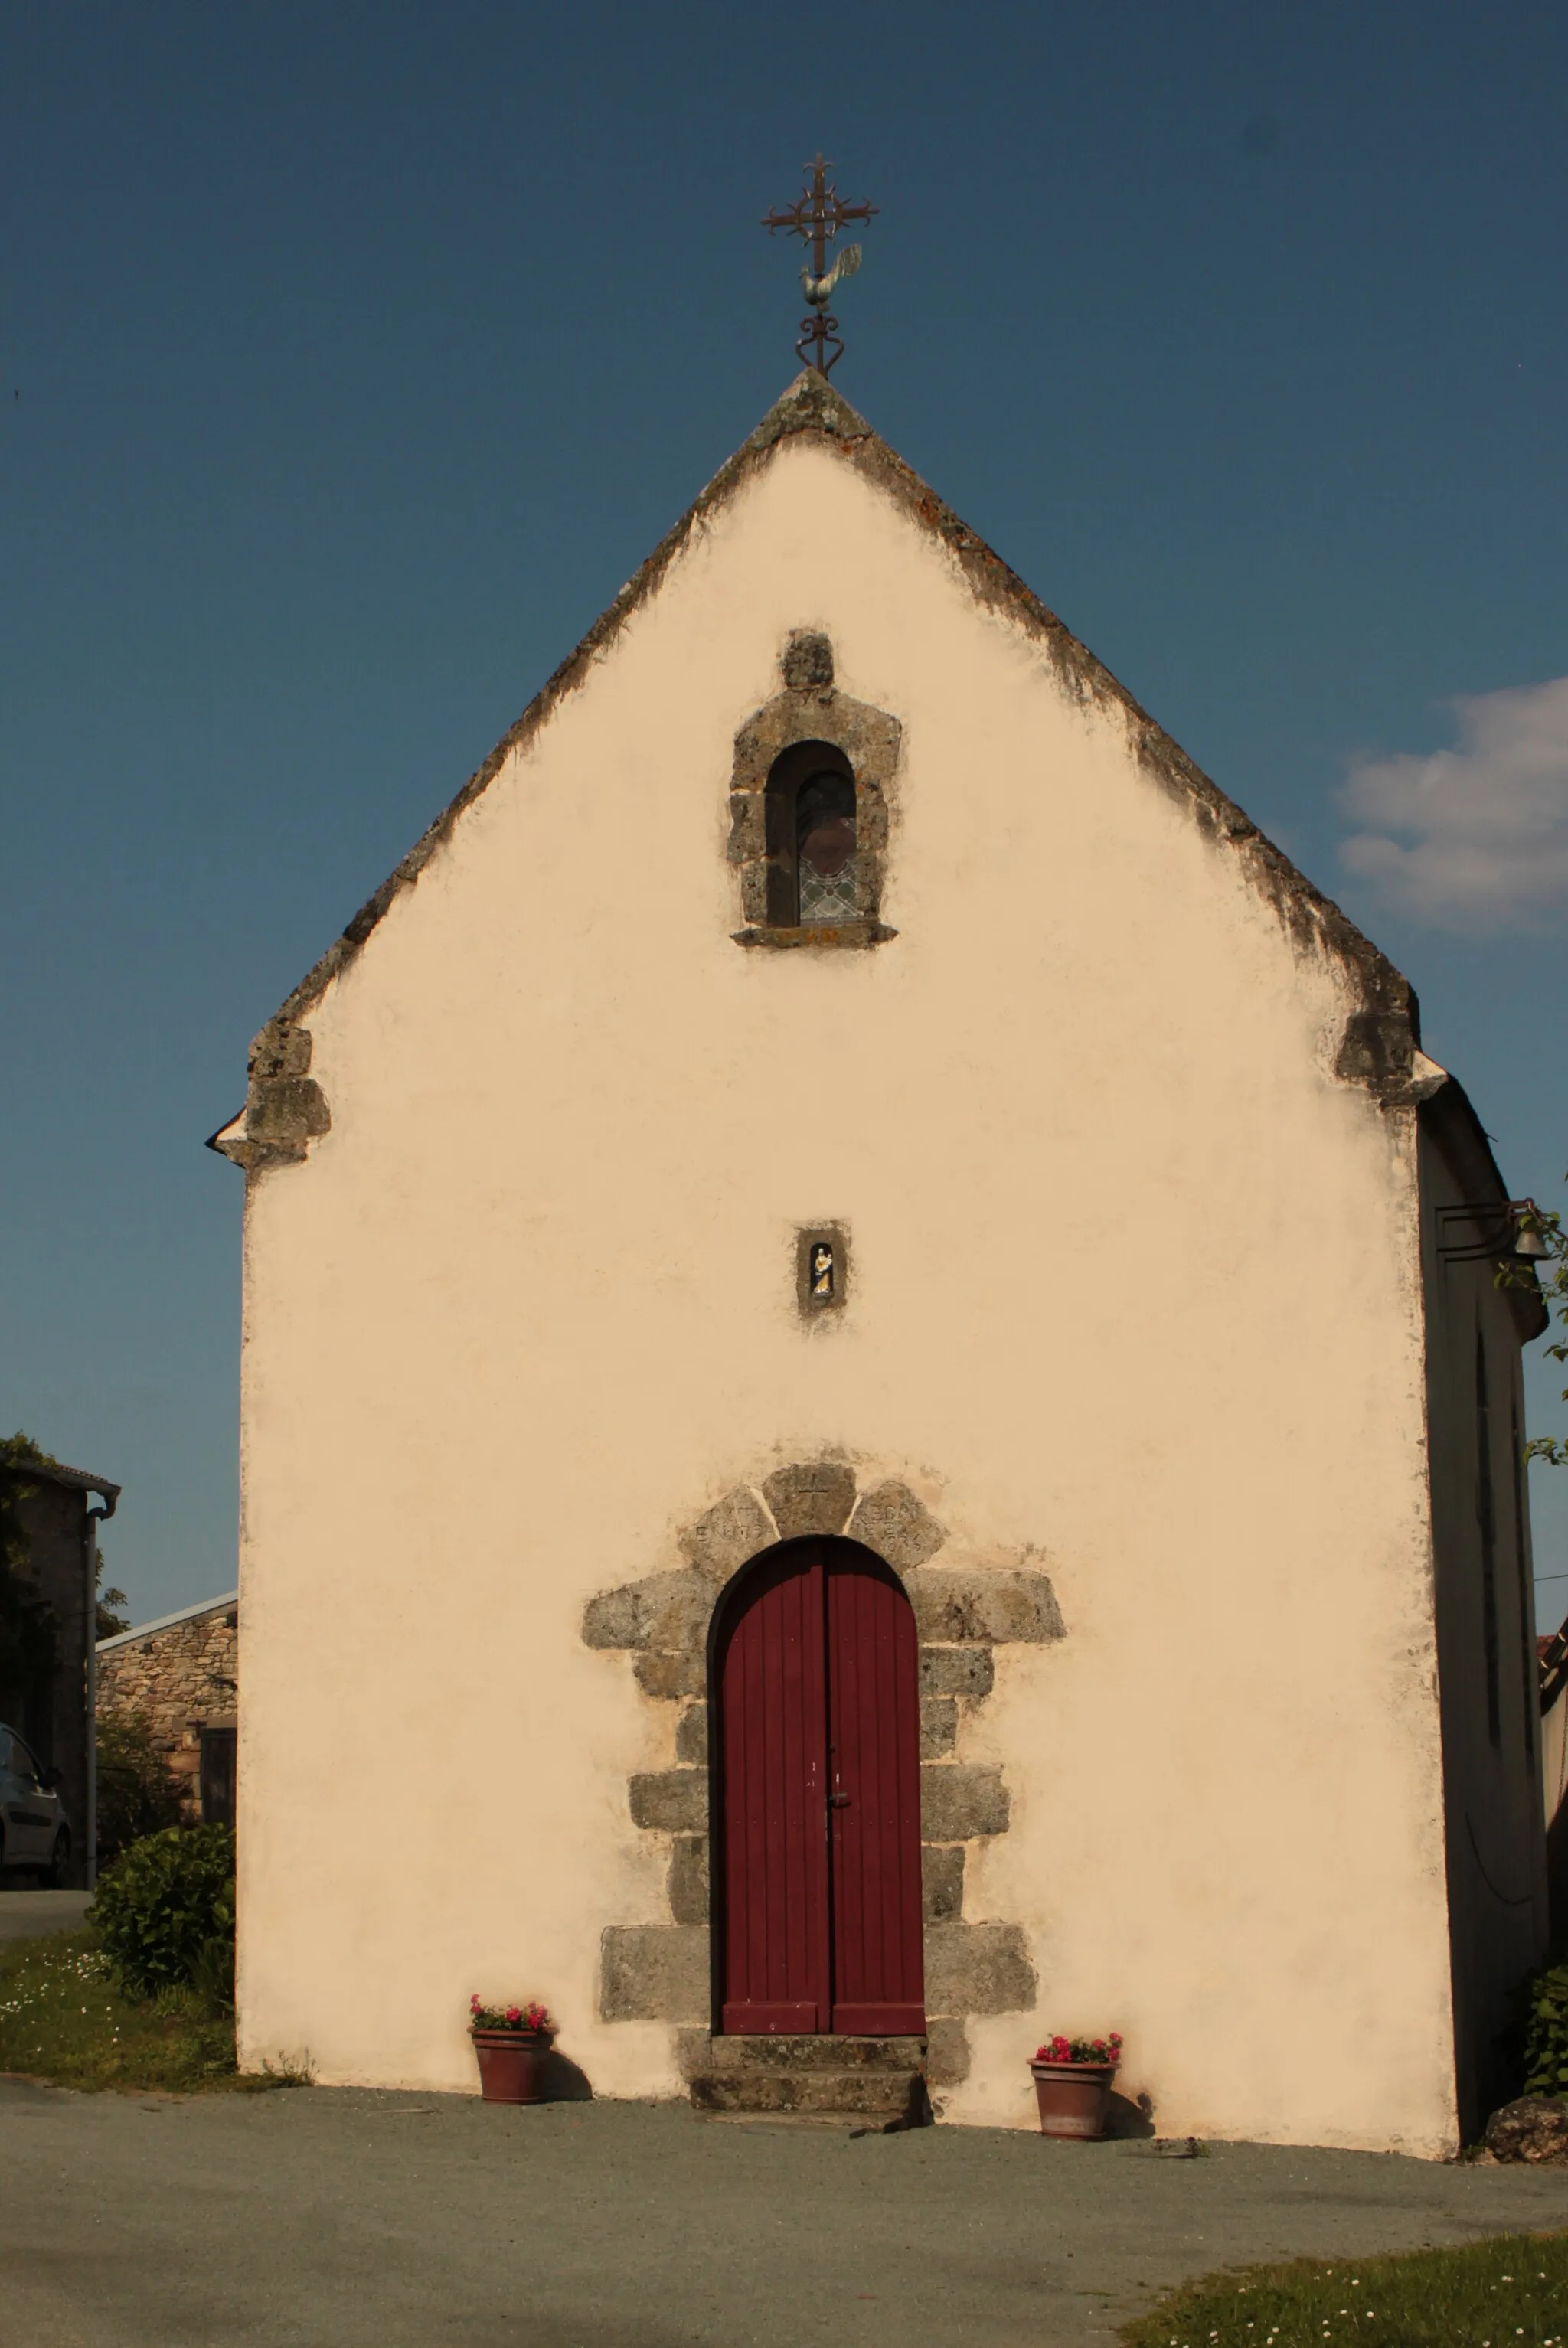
x,y
512,2065
1074,2097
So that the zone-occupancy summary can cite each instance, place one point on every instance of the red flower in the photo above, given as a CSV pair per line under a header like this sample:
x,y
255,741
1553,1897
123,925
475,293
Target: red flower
x,y
1101,2052
534,2016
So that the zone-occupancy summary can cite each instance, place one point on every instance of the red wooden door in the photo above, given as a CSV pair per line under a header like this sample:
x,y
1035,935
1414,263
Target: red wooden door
x,y
777,1974
819,1750
874,1757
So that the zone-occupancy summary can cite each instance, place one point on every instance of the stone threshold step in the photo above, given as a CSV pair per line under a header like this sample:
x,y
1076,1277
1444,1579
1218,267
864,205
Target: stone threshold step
x,y
880,2095
802,2053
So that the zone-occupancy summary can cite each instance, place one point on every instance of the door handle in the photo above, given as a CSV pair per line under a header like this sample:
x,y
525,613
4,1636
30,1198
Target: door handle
x,y
838,1801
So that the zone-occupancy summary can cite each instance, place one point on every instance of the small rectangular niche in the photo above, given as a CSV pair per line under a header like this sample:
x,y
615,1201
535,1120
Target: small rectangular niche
x,y
822,1269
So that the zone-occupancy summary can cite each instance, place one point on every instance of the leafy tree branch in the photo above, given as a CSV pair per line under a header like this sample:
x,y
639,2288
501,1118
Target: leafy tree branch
x,y
1553,1275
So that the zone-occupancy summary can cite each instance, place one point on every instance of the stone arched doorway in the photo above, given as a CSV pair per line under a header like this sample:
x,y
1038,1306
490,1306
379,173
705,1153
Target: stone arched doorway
x,y
663,1967
817,1904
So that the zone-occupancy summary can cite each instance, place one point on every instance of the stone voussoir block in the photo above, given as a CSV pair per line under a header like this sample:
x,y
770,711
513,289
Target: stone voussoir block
x,y
947,2053
671,1676
734,1530
960,1799
654,1972
890,1519
978,1969
662,1610
688,1880
938,1727
813,1497
807,659
957,1671
986,1604
747,833
671,1801
691,1735
942,1882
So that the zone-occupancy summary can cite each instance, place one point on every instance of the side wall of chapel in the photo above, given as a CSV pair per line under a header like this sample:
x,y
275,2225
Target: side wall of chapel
x,y
1484,1589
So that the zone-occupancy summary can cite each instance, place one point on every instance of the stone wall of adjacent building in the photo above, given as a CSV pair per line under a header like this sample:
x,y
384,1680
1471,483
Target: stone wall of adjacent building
x,y
48,1707
182,1679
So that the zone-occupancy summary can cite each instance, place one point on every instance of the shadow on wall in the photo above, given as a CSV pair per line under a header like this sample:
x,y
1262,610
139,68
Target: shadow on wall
x,y
1125,2118
562,2082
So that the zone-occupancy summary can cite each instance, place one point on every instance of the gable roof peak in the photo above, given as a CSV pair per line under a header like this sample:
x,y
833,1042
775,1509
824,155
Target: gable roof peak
x,y
810,404
286,1109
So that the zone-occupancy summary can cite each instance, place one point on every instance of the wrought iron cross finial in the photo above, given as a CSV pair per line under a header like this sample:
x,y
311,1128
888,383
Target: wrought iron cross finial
x,y
817,215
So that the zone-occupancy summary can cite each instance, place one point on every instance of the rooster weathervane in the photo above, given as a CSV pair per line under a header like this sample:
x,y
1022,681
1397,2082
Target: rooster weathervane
x,y
817,215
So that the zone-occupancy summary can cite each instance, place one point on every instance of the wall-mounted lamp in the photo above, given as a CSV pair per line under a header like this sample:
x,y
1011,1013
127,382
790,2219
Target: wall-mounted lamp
x,y
1508,1228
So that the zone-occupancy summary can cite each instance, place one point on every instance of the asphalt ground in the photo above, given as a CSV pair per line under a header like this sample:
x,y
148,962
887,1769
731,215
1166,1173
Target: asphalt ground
x,y
24,1915
337,2216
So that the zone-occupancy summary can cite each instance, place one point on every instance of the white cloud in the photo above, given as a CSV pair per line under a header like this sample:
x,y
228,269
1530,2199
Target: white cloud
x,y
1474,837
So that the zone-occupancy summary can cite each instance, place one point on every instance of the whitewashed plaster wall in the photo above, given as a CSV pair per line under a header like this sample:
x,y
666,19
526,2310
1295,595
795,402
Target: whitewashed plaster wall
x,y
1136,1286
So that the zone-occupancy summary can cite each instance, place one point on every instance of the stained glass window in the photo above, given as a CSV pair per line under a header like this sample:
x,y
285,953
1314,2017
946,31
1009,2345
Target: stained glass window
x,y
825,849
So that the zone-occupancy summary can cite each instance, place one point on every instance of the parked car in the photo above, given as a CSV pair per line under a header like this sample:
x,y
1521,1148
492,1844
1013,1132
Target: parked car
x,y
35,1832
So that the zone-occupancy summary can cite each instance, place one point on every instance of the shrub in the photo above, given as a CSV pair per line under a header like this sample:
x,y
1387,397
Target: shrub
x,y
213,1975
1546,2032
137,1792
160,1907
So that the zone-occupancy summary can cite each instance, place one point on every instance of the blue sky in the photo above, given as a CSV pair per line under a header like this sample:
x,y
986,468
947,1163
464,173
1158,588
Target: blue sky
x,y
351,356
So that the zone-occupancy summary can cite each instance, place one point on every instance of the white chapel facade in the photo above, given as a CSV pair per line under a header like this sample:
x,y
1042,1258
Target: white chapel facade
x,y
858,1405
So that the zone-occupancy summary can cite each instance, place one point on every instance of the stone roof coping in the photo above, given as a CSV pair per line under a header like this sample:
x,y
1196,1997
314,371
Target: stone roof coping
x,y
812,409
167,1622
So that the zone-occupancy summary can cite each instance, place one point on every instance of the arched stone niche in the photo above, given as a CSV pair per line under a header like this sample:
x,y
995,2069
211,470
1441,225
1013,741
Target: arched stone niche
x,y
662,1971
811,708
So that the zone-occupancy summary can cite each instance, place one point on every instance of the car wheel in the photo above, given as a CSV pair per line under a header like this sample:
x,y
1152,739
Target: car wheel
x,y
60,1860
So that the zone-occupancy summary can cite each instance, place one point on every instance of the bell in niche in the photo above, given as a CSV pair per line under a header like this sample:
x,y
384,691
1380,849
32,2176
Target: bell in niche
x,y
1528,1242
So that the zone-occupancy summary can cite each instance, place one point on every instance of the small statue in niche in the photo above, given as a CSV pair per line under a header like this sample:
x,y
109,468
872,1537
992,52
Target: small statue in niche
x,y
821,1271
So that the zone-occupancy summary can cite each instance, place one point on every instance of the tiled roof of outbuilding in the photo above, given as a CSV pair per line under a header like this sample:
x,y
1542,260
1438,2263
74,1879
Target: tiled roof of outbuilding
x,y
167,1621
73,1479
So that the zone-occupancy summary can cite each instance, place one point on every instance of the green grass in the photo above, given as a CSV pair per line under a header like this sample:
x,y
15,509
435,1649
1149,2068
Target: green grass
x,y
63,2019
1508,2292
